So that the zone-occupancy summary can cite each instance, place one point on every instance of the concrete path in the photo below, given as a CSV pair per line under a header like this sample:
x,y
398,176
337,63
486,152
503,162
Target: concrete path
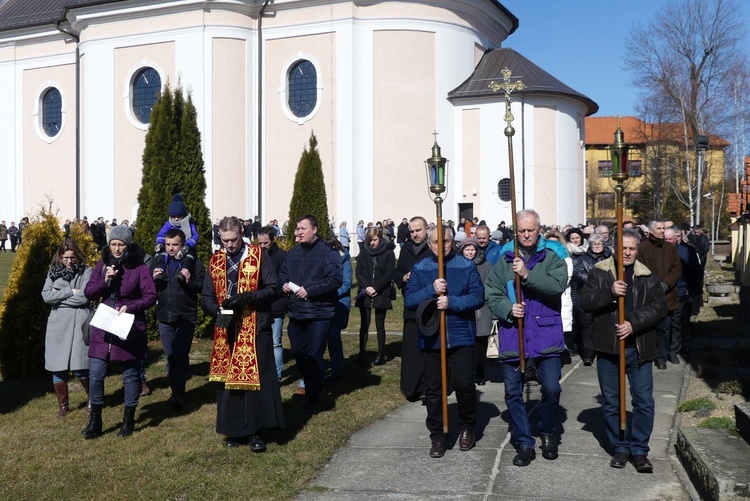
x,y
389,460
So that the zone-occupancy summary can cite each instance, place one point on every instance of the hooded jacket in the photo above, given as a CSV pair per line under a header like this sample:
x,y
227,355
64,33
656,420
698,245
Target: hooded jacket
x,y
177,300
649,306
542,291
133,288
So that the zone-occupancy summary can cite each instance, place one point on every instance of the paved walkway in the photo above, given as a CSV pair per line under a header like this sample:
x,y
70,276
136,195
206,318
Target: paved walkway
x,y
389,460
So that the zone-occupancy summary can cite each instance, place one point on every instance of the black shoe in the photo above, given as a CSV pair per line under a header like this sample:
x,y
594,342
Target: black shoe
x,y
256,444
233,442
661,364
549,446
642,464
94,427
480,382
176,402
437,450
128,422
524,457
466,440
619,460
673,359
379,360
588,362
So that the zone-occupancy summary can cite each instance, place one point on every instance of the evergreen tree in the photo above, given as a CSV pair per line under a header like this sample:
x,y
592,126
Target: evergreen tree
x,y
23,312
173,163
309,196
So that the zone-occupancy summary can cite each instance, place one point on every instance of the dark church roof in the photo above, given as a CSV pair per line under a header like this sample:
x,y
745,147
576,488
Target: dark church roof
x,y
16,14
536,80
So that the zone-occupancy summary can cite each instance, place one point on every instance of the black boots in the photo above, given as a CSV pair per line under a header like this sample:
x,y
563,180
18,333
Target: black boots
x,y
128,422
61,390
94,427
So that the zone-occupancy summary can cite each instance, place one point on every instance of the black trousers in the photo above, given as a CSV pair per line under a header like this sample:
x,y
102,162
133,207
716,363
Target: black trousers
x,y
364,329
460,366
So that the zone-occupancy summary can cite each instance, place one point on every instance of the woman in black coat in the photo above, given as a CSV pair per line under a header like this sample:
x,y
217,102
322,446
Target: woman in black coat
x,y
375,264
597,251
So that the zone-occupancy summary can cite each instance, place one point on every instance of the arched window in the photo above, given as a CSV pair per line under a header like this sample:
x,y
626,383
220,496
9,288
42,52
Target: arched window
x,y
503,189
51,112
302,88
145,91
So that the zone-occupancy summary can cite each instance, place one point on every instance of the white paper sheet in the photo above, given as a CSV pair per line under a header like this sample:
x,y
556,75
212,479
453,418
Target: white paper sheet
x,y
107,319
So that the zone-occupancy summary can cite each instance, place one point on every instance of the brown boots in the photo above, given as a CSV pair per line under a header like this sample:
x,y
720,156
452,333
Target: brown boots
x,y
61,390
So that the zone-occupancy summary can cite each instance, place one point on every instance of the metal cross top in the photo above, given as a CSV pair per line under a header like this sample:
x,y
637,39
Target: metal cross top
x,y
507,86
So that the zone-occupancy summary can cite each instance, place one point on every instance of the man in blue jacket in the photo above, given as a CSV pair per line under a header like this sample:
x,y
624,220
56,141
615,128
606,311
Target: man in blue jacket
x,y
459,294
311,276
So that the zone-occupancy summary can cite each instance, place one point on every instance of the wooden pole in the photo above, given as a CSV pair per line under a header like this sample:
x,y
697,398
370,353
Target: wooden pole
x,y
621,306
514,216
443,333
508,86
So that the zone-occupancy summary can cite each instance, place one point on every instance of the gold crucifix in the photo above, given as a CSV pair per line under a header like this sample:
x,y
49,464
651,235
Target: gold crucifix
x,y
507,86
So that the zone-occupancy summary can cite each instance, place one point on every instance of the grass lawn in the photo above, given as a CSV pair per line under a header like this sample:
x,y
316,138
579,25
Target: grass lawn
x,y
178,455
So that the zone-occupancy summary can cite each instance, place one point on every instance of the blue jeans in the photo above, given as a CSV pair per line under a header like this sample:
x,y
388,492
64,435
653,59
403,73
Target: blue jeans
x,y
548,372
62,376
308,339
176,339
278,349
130,380
636,437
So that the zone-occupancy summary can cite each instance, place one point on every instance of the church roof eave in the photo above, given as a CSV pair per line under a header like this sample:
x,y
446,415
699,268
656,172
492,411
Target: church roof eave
x,y
537,82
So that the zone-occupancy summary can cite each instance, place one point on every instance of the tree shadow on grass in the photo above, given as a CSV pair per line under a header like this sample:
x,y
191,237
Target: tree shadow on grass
x,y
16,393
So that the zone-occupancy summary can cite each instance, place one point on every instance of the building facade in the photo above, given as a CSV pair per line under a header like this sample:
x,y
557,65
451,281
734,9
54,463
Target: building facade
x,y
372,79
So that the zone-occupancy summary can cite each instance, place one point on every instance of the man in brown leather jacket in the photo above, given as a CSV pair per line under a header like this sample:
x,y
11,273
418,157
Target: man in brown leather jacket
x,y
645,305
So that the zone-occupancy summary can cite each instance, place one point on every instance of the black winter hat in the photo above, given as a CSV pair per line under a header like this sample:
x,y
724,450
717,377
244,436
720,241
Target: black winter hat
x,y
177,208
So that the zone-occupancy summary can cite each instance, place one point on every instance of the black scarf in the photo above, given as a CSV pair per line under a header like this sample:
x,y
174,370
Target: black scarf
x,y
59,270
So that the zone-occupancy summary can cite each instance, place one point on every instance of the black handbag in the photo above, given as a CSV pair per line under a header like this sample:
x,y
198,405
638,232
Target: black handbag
x,y
393,291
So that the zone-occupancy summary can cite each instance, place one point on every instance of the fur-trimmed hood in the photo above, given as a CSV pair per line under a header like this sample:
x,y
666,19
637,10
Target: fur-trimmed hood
x,y
639,269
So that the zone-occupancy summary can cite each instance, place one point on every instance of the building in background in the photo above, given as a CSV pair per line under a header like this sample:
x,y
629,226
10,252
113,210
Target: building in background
x,y
372,79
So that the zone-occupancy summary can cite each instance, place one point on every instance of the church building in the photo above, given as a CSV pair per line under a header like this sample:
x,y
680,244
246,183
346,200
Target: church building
x,y
373,79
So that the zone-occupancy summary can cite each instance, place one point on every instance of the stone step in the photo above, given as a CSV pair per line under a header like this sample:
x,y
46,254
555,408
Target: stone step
x,y
742,419
717,461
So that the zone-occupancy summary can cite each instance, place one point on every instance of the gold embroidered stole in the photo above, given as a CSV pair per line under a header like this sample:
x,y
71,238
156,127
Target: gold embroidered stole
x,y
238,369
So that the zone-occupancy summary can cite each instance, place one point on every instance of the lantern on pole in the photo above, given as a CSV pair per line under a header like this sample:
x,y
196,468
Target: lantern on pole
x,y
435,167
618,152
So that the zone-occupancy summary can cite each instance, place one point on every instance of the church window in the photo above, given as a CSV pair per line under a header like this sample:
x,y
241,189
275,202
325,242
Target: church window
x,y
302,88
605,168
145,92
503,189
51,112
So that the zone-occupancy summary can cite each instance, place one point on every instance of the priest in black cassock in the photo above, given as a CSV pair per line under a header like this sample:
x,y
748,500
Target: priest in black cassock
x,y
239,288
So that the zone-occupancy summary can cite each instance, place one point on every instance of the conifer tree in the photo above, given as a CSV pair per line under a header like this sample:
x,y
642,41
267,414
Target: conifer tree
x,y
173,163
23,312
309,196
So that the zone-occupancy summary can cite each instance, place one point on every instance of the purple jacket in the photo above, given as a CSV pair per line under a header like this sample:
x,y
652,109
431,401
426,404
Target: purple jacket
x,y
135,289
548,277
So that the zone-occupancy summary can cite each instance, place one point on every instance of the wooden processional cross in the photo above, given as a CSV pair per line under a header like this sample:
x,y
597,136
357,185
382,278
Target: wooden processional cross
x,y
508,85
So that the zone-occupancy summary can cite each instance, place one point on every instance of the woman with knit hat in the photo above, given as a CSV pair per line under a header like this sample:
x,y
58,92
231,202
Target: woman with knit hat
x,y
122,281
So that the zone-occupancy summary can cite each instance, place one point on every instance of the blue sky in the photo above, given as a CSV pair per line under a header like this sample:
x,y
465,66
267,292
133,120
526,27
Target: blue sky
x,y
582,42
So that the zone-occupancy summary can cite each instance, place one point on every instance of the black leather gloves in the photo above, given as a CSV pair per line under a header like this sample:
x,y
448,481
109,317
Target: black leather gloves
x,y
223,320
237,301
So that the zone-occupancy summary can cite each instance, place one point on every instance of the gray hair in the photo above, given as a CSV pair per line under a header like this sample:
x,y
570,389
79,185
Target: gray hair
x,y
433,230
598,228
631,233
596,237
529,213
652,224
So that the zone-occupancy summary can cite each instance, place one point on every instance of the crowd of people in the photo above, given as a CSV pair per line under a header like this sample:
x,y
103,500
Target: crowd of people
x,y
568,303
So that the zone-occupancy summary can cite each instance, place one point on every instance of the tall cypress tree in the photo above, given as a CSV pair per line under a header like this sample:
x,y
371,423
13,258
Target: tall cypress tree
x,y
173,163
309,196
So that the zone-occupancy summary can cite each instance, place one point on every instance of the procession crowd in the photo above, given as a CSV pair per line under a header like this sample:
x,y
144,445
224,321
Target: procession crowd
x,y
558,285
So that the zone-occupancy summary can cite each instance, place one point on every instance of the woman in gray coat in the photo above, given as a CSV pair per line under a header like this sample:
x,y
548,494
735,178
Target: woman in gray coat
x,y
64,350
